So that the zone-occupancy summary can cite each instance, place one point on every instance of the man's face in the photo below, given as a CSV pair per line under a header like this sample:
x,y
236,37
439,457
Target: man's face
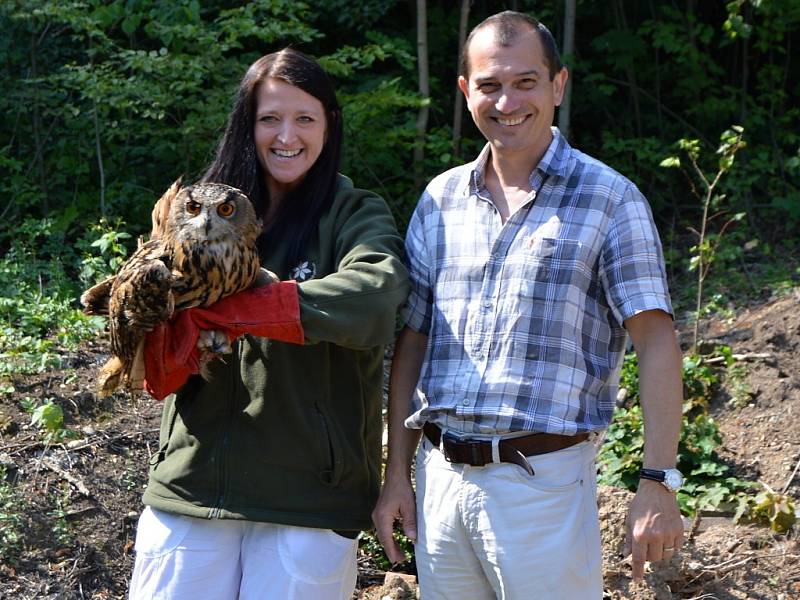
x,y
510,95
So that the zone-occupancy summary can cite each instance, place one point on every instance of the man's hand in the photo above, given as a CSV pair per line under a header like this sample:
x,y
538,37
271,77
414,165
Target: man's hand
x,y
654,528
396,503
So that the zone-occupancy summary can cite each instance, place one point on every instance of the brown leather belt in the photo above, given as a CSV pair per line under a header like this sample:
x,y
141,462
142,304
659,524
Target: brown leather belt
x,y
511,450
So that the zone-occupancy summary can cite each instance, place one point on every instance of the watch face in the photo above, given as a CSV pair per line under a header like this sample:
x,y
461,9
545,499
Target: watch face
x,y
673,479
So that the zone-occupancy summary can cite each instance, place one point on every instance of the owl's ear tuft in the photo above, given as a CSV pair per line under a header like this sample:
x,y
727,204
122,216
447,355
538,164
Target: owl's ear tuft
x,y
161,209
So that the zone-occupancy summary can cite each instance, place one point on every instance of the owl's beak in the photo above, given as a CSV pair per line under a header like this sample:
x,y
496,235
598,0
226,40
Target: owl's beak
x,y
208,224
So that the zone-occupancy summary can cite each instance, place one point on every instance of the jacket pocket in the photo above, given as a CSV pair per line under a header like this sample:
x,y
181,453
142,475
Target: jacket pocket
x,y
331,471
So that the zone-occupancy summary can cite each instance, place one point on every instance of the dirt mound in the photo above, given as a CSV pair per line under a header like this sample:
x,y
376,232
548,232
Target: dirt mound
x,y
759,416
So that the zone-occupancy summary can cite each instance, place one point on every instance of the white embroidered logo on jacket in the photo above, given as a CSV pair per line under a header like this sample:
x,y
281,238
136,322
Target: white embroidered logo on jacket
x,y
304,271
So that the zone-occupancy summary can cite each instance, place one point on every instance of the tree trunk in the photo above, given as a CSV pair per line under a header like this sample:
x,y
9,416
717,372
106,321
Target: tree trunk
x,y
37,128
100,166
424,90
630,74
568,49
458,108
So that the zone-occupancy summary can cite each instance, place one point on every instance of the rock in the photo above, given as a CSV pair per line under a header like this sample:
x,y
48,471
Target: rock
x,y
398,586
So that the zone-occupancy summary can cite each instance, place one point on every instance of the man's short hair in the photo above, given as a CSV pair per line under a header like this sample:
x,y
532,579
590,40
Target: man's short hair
x,y
508,25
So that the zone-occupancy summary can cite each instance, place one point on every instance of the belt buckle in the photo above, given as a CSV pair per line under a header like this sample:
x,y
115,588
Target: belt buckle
x,y
465,449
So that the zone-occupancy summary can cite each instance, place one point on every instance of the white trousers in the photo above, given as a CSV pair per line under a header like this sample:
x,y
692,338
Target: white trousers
x,y
497,532
180,557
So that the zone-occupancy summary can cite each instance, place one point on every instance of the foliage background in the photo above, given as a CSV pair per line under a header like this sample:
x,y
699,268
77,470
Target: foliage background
x,y
105,103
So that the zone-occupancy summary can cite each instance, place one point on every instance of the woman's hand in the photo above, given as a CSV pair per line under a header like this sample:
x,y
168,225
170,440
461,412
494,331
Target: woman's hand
x,y
265,278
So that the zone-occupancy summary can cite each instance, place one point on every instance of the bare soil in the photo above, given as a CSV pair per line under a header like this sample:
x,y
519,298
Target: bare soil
x,y
76,502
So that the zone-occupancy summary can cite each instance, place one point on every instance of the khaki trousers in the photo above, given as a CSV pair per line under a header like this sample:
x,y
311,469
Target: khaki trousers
x,y
497,532
180,557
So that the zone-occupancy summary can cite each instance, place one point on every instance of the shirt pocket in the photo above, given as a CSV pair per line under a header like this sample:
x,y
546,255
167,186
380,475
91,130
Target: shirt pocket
x,y
552,262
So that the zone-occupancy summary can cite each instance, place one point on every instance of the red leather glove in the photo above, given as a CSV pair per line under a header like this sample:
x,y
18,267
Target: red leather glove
x,y
170,351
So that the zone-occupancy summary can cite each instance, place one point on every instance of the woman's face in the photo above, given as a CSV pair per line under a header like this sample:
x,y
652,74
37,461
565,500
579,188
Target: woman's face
x,y
290,130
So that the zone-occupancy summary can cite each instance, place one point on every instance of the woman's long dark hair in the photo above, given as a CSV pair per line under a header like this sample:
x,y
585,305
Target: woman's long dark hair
x,y
237,163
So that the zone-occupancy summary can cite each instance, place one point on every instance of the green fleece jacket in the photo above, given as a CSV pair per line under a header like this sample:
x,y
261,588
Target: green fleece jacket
x,y
287,433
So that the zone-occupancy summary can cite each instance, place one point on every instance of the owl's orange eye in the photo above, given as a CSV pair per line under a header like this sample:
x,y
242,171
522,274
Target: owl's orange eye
x,y
193,208
226,209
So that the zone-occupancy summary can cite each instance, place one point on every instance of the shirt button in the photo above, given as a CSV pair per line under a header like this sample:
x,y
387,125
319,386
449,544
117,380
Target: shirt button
x,y
487,304
465,402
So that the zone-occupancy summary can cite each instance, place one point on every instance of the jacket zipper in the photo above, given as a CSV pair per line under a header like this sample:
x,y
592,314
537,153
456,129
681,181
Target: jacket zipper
x,y
223,452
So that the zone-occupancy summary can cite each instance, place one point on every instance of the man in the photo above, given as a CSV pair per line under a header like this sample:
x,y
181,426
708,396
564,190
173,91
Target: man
x,y
528,267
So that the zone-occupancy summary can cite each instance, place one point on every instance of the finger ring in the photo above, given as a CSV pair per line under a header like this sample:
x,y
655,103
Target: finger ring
x,y
669,549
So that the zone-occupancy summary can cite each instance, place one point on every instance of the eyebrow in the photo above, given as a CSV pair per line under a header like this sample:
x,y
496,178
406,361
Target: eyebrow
x,y
480,80
269,110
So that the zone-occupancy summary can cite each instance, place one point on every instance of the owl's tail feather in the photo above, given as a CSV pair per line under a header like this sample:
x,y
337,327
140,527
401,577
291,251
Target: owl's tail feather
x,y
116,373
110,376
134,377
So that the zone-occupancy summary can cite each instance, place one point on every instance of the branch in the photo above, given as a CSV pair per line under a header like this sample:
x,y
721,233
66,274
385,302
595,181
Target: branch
x,y
670,112
99,159
113,438
79,485
720,359
458,108
791,478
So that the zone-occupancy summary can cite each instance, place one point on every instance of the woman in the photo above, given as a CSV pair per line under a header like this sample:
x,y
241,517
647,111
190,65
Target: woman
x,y
268,471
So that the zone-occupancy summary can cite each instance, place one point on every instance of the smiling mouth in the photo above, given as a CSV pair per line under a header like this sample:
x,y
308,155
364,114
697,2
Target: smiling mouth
x,y
285,153
510,121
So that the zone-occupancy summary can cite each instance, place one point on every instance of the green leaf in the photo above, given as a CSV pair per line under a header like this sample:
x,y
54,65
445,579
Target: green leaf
x,y
670,162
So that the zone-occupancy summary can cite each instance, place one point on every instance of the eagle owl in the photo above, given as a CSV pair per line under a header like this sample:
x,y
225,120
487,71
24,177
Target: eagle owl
x,y
202,248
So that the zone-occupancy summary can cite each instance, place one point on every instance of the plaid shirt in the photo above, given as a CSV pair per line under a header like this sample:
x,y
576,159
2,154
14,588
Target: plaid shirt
x,y
524,319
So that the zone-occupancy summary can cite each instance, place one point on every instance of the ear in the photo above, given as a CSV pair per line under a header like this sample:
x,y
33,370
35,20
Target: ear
x,y
161,209
463,85
560,85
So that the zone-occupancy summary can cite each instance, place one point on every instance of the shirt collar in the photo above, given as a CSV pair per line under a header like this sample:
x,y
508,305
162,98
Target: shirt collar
x,y
554,162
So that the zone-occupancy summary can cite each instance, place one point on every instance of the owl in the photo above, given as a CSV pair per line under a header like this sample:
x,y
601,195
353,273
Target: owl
x,y
201,249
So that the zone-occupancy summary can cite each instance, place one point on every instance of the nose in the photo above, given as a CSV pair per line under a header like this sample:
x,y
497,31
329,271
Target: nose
x,y
286,134
507,102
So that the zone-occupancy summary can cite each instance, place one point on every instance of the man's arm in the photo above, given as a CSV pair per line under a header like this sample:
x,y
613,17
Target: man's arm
x,y
654,521
396,502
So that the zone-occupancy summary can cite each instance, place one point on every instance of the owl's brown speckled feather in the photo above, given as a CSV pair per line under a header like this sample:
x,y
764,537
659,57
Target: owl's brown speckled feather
x,y
202,248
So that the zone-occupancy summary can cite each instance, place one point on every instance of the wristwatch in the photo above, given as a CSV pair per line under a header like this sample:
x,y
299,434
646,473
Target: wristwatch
x,y
672,479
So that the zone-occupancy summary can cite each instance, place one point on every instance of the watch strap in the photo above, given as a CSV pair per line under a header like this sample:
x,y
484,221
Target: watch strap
x,y
654,474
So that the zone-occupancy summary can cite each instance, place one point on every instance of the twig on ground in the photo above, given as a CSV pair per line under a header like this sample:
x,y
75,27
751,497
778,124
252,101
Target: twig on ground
x,y
752,356
24,444
791,477
694,527
113,438
731,564
79,485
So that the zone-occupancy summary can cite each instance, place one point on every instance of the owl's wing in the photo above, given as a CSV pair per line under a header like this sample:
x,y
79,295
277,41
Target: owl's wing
x,y
95,299
141,298
161,209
